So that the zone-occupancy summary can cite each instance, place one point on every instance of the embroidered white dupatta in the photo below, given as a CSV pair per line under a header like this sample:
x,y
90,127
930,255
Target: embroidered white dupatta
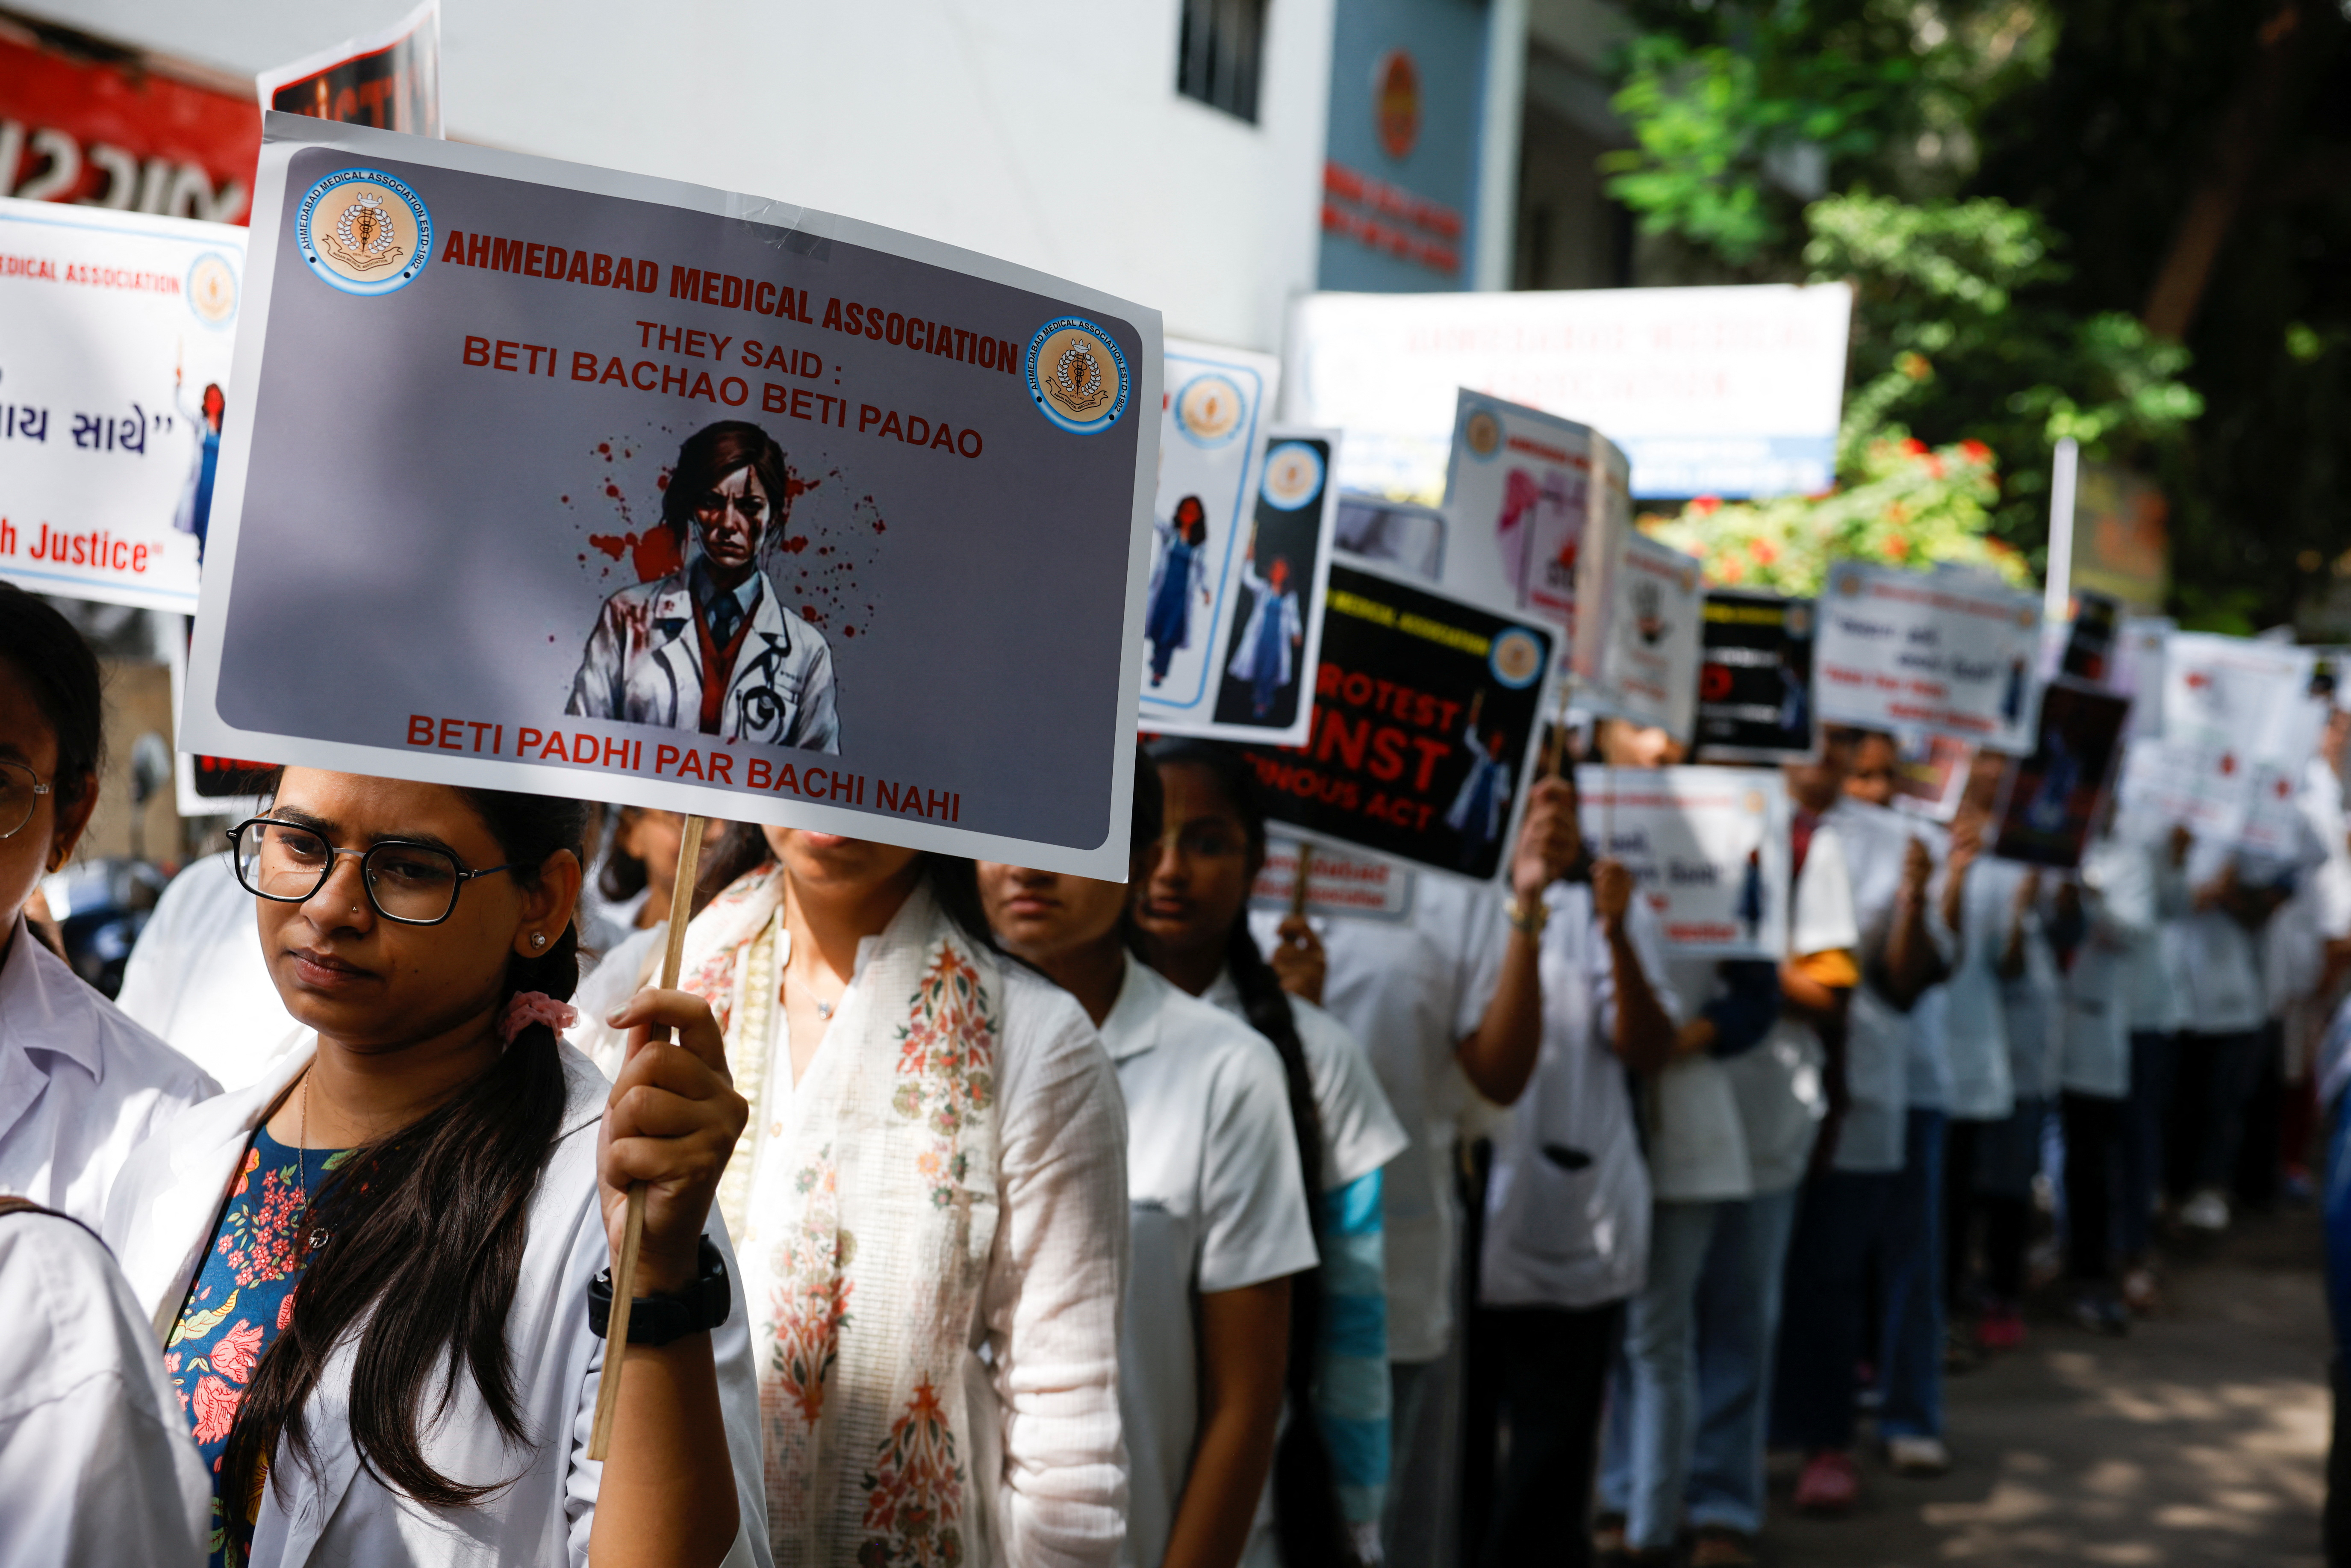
x,y
866,1200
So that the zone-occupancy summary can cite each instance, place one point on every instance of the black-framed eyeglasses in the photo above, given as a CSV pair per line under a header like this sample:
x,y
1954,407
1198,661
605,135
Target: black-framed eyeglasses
x,y
287,863
20,792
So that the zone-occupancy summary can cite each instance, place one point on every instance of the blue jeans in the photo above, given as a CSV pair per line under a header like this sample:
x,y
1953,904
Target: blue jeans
x,y
1910,1272
1840,1218
1653,1394
1738,1293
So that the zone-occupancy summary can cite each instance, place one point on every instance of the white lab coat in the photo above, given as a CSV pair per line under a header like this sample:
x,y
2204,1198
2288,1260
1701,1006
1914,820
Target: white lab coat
x,y
96,1462
163,1214
644,665
1283,605
80,1085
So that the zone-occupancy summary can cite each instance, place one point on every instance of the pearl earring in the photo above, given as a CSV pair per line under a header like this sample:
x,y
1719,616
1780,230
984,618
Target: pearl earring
x,y
539,939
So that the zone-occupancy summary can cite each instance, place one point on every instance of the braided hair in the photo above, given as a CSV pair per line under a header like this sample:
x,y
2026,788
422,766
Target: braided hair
x,y
1307,1520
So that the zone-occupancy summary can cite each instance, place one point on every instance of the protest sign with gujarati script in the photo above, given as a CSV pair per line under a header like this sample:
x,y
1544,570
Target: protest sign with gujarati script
x,y
1709,846
112,387
1946,652
568,480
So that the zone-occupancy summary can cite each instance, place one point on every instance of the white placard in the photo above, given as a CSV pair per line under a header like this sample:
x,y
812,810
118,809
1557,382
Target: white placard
x,y
1211,451
1727,391
2138,672
1341,881
589,434
1709,846
114,373
1638,638
1945,652
2238,724
1522,490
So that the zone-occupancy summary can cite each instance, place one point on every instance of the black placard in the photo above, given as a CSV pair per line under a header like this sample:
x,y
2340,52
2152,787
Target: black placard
x,y
1410,680
2049,800
1755,677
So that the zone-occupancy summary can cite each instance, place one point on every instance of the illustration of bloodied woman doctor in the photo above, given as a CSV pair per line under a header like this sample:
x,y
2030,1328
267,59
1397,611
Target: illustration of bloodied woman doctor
x,y
710,647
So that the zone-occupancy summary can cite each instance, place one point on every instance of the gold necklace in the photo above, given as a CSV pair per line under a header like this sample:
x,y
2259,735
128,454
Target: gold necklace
x,y
318,1236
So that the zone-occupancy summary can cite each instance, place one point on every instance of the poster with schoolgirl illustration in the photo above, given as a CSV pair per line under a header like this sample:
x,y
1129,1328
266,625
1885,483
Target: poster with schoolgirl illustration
x,y
1211,454
1266,659
553,479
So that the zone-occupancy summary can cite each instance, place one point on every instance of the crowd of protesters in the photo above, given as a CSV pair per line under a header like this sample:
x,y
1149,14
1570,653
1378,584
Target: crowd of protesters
x,y
1002,1216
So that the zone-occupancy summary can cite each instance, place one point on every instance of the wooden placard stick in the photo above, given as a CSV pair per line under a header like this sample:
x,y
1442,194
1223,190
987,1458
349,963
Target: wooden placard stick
x,y
1555,745
624,1267
1297,882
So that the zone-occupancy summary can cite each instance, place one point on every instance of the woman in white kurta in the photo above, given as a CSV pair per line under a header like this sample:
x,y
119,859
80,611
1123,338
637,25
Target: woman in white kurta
x,y
932,1206
80,1083
382,1339
1216,1207
1193,920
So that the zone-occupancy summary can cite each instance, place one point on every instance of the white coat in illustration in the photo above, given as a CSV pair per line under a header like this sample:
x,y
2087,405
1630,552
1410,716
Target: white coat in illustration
x,y
711,647
1275,628
1181,571
1483,802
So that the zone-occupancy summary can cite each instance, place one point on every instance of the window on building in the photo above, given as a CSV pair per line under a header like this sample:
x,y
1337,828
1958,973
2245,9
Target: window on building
x,y
1217,54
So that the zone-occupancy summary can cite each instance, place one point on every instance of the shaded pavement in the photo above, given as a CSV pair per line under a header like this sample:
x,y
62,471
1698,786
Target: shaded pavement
x,y
2199,1439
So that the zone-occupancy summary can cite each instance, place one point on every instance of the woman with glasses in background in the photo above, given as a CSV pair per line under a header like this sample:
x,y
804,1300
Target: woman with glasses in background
x,y
80,1085
378,1266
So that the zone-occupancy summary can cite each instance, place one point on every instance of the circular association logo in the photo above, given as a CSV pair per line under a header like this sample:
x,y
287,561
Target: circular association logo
x,y
212,289
1799,623
2024,615
1482,432
1754,802
1848,583
1293,475
1077,376
1208,410
1395,100
364,232
1515,658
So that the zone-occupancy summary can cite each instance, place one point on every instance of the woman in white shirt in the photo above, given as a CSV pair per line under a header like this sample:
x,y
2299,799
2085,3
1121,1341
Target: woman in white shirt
x,y
375,1266
80,1083
933,1206
1193,919
1217,1204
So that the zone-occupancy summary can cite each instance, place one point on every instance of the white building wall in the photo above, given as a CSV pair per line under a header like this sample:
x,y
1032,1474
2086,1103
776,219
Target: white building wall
x,y
1045,131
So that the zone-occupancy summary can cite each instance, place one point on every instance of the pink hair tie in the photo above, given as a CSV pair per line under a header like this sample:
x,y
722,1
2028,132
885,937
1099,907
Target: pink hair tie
x,y
525,1008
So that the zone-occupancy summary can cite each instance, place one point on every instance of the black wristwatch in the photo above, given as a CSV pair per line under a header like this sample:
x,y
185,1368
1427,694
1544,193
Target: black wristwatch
x,y
659,1319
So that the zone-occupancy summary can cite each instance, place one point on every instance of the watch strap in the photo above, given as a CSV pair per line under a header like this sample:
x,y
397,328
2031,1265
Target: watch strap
x,y
666,1316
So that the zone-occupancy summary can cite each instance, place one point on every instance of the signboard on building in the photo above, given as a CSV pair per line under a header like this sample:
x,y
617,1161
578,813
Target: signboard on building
x,y
1723,391
91,123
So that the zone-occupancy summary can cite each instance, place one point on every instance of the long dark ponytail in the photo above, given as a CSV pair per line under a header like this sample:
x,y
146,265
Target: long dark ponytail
x,y
1307,1520
428,1229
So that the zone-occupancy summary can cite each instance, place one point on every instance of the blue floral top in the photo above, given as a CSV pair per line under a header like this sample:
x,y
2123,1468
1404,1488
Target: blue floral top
x,y
243,1296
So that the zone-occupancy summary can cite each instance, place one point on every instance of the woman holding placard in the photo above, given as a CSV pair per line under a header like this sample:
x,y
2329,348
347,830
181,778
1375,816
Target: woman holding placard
x,y
1217,1205
932,1206
83,1083
386,1339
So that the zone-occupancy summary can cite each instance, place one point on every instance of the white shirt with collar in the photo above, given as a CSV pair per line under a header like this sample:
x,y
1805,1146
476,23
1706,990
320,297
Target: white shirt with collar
x,y
197,977
2215,963
1411,989
165,1212
1567,1206
1872,1139
80,1085
1360,1132
1214,1203
96,1462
